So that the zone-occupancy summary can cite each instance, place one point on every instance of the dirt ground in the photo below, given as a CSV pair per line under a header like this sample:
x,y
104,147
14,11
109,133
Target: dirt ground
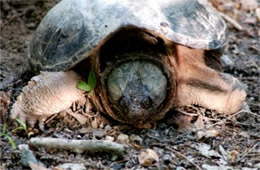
x,y
232,143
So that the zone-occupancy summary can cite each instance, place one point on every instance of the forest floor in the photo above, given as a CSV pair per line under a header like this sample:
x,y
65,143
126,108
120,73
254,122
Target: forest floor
x,y
233,143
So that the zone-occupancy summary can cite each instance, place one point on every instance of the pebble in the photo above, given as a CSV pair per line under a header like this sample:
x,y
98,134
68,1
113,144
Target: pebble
x,y
110,138
122,138
108,128
27,155
136,138
99,133
226,61
72,166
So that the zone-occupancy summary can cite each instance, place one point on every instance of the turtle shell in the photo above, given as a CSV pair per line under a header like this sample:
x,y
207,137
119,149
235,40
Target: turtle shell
x,y
73,28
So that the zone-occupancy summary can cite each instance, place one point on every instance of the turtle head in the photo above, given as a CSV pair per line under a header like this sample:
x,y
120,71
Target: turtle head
x,y
137,89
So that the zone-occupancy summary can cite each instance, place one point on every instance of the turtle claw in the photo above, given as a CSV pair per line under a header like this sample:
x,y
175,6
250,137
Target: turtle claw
x,y
46,94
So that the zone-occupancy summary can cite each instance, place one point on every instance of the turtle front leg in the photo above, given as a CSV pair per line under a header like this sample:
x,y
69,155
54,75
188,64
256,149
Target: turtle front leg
x,y
201,85
45,95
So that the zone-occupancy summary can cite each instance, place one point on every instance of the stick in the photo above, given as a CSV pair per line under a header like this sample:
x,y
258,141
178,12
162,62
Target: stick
x,y
221,122
186,113
176,152
80,146
245,154
232,21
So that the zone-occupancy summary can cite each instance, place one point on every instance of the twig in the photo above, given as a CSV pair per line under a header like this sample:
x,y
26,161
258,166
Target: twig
x,y
245,154
233,115
245,111
176,152
186,113
11,19
232,21
80,146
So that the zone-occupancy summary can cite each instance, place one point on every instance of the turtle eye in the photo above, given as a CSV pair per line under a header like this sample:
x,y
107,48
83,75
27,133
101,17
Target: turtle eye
x,y
146,103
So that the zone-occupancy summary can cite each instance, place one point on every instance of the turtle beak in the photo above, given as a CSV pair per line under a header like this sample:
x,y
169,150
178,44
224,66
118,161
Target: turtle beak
x,y
134,108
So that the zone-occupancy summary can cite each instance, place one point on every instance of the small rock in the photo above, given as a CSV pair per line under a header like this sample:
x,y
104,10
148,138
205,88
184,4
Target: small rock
x,y
71,166
136,138
226,61
109,138
148,158
27,155
108,128
205,150
212,167
246,107
99,133
167,158
122,138
257,165
180,168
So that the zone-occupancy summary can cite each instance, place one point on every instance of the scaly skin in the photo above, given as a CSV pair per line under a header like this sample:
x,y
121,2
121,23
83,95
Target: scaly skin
x,y
45,95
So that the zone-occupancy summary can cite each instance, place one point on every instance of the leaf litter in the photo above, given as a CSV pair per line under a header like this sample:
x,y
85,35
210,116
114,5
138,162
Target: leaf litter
x,y
208,139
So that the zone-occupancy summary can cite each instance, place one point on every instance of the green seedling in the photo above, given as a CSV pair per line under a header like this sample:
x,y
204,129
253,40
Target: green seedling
x,y
22,126
6,134
89,87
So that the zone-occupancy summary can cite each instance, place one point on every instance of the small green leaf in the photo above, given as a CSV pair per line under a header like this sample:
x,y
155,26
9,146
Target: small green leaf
x,y
4,129
83,86
18,128
92,79
11,141
90,93
22,124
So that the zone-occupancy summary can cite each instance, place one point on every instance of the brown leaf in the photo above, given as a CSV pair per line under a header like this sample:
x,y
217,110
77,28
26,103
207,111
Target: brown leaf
x,y
34,166
248,4
205,134
148,158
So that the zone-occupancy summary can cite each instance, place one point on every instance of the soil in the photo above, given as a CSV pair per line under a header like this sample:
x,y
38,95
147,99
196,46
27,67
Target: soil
x,y
233,143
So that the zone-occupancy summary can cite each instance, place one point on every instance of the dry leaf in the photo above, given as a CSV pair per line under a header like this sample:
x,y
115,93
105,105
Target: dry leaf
x,y
257,13
205,134
148,158
34,166
233,155
248,4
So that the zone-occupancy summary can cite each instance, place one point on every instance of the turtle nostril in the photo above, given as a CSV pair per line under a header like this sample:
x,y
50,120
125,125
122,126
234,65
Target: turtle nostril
x,y
124,102
146,103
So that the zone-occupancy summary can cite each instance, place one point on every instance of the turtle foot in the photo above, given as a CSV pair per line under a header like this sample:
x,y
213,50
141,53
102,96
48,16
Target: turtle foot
x,y
45,95
221,92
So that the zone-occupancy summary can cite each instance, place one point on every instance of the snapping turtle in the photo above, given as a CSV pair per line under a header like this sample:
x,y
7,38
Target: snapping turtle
x,y
148,57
